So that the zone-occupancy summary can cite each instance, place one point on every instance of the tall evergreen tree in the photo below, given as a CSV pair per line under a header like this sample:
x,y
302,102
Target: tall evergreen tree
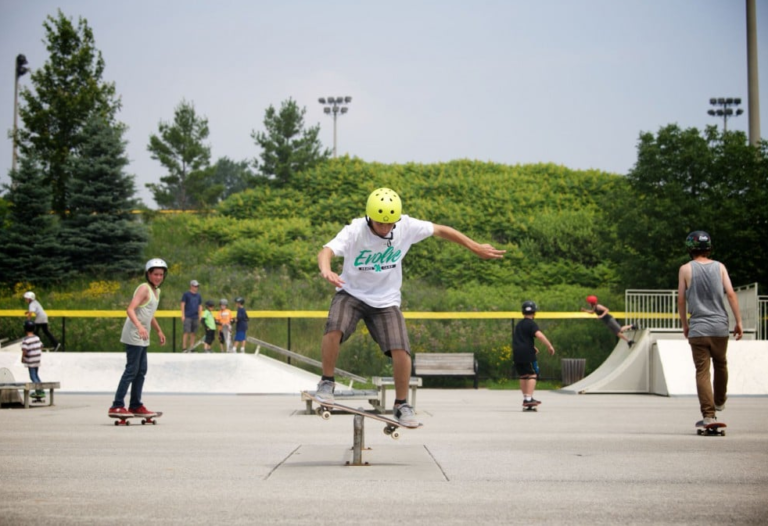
x,y
180,149
287,147
29,239
101,234
67,89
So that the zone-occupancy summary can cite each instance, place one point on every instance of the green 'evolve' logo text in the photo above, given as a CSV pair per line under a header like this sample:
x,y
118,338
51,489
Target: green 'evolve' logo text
x,y
368,257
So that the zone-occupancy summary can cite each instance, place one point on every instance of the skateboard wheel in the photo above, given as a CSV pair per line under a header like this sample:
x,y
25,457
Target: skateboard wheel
x,y
699,432
127,422
722,433
117,423
395,435
325,415
387,431
143,422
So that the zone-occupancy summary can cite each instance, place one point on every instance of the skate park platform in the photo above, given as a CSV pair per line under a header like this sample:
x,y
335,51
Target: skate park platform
x,y
478,459
660,363
194,373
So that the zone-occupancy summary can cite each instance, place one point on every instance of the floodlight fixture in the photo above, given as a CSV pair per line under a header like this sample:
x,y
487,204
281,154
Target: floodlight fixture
x,y
727,109
335,106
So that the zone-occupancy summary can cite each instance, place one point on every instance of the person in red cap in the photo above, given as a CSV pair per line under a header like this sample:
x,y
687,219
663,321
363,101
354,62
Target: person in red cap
x,y
602,314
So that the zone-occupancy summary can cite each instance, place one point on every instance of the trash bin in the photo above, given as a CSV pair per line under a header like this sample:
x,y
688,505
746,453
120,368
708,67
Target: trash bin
x,y
573,370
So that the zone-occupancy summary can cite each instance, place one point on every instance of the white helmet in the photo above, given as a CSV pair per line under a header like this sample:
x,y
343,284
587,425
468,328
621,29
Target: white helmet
x,y
155,263
223,302
29,295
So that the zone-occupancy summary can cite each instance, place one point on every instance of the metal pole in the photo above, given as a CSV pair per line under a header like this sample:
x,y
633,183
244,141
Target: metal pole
x,y
752,90
335,113
15,118
359,438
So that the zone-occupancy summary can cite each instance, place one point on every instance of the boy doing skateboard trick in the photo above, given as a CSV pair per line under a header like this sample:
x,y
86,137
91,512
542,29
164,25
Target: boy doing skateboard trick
x,y
602,314
524,352
373,248
702,282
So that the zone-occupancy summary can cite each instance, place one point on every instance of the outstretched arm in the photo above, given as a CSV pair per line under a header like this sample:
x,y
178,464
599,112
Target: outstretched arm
x,y
483,251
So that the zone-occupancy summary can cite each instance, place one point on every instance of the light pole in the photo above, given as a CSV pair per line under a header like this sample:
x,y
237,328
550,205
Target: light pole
x,y
21,69
335,106
727,111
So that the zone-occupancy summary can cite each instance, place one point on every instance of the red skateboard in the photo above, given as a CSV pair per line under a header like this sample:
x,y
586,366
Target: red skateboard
x,y
710,429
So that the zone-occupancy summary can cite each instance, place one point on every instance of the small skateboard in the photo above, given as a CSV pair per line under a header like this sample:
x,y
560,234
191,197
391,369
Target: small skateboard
x,y
530,406
710,429
151,419
122,420
391,429
37,399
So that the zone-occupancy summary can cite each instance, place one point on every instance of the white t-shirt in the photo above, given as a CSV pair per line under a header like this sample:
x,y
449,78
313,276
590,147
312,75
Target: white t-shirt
x,y
373,267
37,309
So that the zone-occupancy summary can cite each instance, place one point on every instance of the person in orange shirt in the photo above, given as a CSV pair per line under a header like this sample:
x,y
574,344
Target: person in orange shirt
x,y
224,321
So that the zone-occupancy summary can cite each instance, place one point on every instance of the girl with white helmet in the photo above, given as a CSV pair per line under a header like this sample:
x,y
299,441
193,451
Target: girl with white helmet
x,y
135,336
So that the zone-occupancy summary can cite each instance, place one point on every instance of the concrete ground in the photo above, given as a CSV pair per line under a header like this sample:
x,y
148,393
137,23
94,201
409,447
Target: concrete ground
x,y
227,459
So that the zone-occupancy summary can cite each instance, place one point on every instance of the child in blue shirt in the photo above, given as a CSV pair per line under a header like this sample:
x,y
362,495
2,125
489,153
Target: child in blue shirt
x,y
241,325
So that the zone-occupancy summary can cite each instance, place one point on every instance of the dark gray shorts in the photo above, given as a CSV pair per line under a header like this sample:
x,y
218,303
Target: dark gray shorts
x,y
386,325
611,323
191,324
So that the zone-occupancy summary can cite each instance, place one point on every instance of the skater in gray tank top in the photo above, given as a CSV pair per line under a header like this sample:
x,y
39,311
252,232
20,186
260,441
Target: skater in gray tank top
x,y
702,282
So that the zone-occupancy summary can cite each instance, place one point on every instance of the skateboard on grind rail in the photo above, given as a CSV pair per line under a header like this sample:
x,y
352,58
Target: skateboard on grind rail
x,y
710,429
124,420
392,427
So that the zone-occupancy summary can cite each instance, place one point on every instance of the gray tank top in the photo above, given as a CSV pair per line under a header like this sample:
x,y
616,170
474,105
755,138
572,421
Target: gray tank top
x,y
705,301
144,313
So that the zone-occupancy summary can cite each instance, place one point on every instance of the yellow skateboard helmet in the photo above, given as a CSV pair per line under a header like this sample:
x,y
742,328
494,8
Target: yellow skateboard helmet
x,y
384,206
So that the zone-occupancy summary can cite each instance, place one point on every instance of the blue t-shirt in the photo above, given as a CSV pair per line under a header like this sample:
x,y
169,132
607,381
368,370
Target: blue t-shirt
x,y
242,320
192,301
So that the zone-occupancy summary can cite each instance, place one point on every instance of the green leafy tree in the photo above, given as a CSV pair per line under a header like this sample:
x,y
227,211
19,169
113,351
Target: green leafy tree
x,y
68,88
101,234
180,148
286,146
29,241
685,180
209,187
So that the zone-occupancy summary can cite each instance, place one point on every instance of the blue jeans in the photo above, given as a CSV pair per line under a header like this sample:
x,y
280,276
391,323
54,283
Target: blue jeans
x,y
33,375
135,370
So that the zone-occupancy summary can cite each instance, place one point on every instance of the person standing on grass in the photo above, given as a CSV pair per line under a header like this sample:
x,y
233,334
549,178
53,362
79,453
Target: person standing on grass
x,y
135,336
524,352
373,248
191,312
701,284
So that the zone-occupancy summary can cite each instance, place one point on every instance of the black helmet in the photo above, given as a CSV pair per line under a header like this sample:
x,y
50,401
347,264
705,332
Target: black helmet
x,y
698,240
529,307
209,303
239,299
29,326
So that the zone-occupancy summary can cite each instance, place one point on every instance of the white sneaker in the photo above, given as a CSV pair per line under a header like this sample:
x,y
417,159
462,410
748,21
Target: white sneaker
x,y
324,391
404,414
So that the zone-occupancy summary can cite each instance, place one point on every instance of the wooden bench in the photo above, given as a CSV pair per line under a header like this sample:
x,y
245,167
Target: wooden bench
x,y
31,386
445,364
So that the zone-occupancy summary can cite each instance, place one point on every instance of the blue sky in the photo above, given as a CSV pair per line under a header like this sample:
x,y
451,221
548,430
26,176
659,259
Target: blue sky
x,y
572,82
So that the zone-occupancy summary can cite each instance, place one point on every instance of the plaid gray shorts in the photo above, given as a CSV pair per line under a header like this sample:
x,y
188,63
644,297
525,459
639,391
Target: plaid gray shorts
x,y
386,325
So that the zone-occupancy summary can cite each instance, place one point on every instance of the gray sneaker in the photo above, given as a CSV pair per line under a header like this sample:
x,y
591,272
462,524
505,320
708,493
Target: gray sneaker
x,y
404,414
325,391
709,420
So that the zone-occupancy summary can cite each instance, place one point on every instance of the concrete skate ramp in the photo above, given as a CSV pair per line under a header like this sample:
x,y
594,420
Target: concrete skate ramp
x,y
675,374
624,371
660,363
214,373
